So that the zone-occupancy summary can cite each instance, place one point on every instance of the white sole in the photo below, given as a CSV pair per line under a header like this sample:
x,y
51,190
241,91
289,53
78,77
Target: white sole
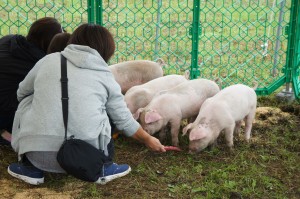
x,y
104,180
33,181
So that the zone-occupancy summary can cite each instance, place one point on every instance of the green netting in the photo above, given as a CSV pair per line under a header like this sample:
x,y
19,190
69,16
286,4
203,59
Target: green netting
x,y
17,16
240,41
151,30
243,41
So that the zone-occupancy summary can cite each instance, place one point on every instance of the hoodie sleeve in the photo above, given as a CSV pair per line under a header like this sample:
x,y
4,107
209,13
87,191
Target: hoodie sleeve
x,y
117,108
26,87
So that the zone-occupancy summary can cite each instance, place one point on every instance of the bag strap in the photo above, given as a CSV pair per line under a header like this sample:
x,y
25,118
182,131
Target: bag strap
x,y
64,92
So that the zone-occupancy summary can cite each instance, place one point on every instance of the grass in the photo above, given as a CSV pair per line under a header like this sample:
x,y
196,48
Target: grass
x,y
267,167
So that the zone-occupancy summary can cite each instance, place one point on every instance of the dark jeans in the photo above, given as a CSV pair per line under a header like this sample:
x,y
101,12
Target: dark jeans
x,y
110,146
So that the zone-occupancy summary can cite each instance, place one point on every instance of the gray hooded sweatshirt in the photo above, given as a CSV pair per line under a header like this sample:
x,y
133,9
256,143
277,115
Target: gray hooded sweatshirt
x,y
93,96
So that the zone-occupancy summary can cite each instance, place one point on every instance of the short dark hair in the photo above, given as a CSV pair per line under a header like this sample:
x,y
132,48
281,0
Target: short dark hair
x,y
42,31
58,42
96,37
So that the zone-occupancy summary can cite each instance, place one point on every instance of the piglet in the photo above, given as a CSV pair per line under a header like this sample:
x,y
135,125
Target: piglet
x,y
225,110
140,96
132,73
173,105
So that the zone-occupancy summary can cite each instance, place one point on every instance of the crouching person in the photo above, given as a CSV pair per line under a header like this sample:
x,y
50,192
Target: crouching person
x,y
94,98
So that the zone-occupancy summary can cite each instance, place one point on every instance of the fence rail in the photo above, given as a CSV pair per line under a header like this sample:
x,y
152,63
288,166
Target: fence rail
x,y
238,41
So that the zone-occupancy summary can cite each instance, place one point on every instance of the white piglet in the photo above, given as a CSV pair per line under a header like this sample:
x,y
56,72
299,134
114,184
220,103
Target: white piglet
x,y
224,111
132,73
140,96
173,105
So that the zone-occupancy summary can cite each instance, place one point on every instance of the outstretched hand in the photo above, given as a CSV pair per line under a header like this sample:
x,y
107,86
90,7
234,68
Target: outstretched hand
x,y
154,144
151,142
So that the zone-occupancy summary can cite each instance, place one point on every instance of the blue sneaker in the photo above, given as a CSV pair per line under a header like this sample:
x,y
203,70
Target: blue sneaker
x,y
113,171
27,173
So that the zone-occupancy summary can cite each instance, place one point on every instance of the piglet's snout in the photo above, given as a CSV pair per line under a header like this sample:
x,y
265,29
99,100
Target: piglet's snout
x,y
191,152
192,149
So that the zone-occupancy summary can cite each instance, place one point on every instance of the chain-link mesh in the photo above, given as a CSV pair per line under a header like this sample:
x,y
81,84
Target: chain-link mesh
x,y
150,30
243,41
239,41
17,16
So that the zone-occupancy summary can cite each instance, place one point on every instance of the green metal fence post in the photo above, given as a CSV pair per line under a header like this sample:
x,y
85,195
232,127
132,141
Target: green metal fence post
x,y
291,40
291,58
99,12
296,56
91,12
194,73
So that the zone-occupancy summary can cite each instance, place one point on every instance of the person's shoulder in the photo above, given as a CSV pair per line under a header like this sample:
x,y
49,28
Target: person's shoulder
x,y
53,55
51,58
7,38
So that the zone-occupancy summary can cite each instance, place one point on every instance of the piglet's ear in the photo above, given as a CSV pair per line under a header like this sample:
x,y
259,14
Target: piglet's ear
x,y
152,116
136,115
198,133
186,129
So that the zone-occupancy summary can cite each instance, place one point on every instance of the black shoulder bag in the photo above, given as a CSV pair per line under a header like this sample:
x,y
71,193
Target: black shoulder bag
x,y
77,157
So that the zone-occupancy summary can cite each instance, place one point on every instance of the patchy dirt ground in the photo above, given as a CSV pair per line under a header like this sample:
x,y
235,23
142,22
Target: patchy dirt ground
x,y
268,167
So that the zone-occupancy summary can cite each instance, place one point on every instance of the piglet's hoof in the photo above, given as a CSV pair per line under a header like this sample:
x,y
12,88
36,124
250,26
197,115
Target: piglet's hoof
x,y
231,149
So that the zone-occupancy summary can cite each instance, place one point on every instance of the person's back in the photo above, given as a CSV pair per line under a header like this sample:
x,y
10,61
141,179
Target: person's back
x,y
18,54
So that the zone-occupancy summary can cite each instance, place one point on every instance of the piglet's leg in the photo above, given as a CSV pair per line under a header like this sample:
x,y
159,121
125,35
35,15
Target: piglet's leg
x,y
237,128
248,125
213,145
175,126
229,136
162,134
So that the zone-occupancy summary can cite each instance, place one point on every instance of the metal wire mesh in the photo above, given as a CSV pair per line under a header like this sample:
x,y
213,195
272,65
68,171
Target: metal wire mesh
x,y
17,16
240,41
151,30
243,41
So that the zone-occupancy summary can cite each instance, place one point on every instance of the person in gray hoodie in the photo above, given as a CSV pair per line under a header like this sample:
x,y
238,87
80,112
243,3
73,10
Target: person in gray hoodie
x,y
94,98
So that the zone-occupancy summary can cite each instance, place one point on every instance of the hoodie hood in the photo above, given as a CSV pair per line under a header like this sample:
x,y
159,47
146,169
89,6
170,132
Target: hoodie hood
x,y
85,57
24,50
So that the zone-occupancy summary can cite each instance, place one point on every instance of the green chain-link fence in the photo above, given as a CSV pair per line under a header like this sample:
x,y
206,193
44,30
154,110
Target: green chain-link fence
x,y
240,41
243,41
17,16
151,30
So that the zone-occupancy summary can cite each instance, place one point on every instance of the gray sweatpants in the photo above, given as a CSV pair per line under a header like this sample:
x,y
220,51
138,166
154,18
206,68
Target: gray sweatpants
x,y
45,160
